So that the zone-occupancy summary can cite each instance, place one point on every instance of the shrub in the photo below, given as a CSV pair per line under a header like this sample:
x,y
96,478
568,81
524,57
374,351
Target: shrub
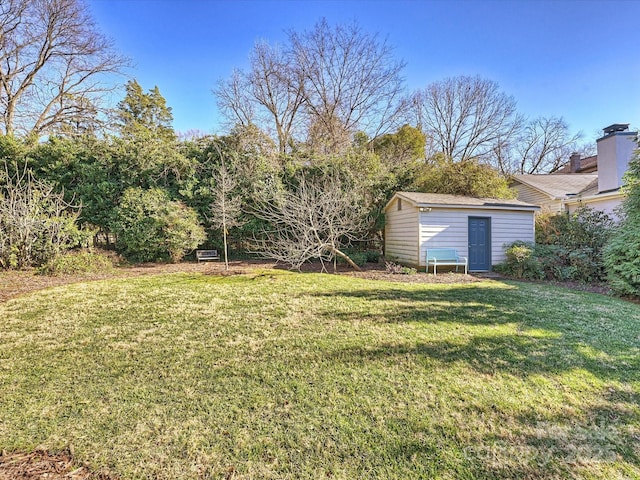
x,y
570,247
622,259
36,224
396,269
361,257
149,226
622,254
521,262
77,263
373,256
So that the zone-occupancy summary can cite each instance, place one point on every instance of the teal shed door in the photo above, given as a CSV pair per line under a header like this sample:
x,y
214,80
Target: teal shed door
x,y
479,243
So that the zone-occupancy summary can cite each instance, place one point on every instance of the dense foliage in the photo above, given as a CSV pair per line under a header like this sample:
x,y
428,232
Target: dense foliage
x,y
149,226
568,247
622,255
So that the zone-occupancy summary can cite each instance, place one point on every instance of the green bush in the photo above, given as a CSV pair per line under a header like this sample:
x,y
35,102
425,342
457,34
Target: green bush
x,y
149,226
373,256
77,263
521,262
622,254
622,259
571,246
359,258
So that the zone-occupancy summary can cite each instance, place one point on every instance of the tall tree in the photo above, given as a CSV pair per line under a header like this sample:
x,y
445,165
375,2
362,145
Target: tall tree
x,y
52,62
406,145
351,79
542,146
147,146
322,86
140,113
467,177
466,117
269,94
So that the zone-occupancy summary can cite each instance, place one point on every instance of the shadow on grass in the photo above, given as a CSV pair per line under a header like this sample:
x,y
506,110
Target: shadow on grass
x,y
553,333
548,336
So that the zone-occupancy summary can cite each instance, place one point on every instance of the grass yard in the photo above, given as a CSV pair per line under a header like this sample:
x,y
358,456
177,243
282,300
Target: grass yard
x,y
275,375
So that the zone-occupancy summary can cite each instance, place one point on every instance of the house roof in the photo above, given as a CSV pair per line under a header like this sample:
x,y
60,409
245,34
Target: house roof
x,y
559,185
586,165
459,201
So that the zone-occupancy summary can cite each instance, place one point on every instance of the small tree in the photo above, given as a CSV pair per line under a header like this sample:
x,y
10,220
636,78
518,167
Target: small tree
x,y
314,219
225,210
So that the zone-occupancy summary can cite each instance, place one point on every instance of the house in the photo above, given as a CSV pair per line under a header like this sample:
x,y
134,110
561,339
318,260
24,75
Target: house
x,y
593,181
478,228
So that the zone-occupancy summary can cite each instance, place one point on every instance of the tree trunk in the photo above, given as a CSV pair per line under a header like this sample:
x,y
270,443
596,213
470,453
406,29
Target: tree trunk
x,y
346,258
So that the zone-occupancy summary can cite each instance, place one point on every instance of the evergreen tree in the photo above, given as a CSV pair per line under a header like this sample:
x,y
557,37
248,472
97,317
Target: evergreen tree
x,y
622,254
142,114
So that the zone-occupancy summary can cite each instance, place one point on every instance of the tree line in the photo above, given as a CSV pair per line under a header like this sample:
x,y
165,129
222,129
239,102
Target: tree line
x,y
321,132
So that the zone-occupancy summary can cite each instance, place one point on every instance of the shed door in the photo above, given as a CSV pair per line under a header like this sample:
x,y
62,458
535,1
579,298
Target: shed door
x,y
479,243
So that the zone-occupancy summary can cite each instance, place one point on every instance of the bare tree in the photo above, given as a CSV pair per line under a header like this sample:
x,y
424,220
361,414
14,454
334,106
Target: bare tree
x,y
542,146
226,208
52,59
235,101
269,94
351,79
322,86
466,117
314,219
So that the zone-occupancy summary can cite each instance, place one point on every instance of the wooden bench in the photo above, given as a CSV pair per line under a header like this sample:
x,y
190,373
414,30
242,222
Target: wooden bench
x,y
445,256
204,255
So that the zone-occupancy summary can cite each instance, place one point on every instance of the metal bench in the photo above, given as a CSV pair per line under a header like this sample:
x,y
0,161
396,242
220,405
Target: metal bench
x,y
204,255
445,256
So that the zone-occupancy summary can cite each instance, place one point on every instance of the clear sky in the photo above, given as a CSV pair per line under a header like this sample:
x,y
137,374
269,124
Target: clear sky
x,y
575,59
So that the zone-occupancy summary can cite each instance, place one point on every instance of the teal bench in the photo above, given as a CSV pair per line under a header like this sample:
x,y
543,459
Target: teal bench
x,y
445,256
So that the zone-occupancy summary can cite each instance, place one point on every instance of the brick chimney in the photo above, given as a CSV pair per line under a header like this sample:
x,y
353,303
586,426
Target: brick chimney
x,y
615,149
574,162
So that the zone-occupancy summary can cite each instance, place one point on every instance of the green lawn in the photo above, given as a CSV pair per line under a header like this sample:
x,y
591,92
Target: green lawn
x,y
280,375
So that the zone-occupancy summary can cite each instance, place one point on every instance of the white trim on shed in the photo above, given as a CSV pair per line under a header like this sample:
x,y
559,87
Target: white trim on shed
x,y
434,220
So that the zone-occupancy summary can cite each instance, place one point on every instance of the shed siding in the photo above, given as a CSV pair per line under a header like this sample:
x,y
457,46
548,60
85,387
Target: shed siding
x,y
533,196
449,228
401,233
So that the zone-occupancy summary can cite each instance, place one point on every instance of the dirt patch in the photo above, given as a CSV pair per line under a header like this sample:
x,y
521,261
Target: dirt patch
x,y
44,465
16,283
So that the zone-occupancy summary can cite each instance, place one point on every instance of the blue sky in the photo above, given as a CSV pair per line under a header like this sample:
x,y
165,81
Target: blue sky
x,y
572,59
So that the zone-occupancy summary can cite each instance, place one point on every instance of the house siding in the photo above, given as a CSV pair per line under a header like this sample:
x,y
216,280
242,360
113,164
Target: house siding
x,y
401,233
610,206
535,197
449,228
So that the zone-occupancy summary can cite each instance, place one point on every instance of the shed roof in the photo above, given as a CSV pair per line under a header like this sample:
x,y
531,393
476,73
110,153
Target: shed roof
x,y
559,185
459,201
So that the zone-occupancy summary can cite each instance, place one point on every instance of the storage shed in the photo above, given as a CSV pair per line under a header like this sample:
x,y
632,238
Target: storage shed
x,y
478,228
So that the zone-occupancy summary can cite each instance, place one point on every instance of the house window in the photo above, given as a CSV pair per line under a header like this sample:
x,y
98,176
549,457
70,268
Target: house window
x,y
399,204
